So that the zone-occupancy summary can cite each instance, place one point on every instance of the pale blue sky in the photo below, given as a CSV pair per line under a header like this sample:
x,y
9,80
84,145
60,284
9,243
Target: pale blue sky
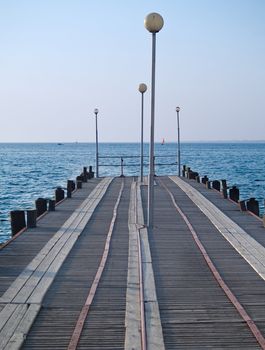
x,y
61,59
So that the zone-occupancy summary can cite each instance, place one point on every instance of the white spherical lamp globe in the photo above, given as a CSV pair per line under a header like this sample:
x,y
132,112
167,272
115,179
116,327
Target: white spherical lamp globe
x,y
142,88
153,22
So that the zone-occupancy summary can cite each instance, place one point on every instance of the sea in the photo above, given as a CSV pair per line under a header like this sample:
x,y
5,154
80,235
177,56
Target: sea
x,y
32,170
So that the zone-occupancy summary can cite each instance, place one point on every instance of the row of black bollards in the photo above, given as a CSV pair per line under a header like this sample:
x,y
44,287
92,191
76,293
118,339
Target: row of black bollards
x,y
85,175
233,193
20,219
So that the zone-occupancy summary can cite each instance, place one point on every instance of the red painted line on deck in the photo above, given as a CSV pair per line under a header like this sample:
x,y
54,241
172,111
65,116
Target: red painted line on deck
x,y
85,309
243,313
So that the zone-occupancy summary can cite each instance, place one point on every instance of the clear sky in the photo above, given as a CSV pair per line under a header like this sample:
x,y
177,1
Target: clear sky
x,y
59,59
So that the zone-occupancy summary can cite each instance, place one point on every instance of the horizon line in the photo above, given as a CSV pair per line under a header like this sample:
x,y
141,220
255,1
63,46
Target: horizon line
x,y
146,142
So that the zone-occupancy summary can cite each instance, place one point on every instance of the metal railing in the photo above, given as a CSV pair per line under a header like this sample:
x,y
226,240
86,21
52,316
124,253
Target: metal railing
x,y
122,162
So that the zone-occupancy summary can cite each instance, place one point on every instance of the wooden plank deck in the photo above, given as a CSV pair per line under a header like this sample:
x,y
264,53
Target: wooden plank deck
x,y
16,256
194,311
46,274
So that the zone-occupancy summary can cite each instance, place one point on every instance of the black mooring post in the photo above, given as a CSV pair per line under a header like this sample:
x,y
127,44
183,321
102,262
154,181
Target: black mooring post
x,y
234,194
18,221
41,206
253,206
216,185
59,194
31,218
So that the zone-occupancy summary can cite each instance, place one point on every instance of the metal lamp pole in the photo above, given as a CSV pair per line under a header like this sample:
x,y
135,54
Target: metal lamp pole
x,y
96,117
142,89
153,23
177,110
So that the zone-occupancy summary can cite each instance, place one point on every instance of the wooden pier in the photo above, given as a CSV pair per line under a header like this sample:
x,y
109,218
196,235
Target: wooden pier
x,y
92,276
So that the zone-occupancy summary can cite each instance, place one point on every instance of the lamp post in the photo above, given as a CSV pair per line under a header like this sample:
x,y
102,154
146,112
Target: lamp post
x,y
177,110
96,117
142,89
153,23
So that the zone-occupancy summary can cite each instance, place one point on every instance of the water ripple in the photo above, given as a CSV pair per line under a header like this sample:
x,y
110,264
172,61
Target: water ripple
x,y
29,171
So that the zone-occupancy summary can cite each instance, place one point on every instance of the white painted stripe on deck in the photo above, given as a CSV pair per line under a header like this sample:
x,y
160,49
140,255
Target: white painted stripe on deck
x,y
23,298
132,316
155,340
251,250
23,328
11,324
54,250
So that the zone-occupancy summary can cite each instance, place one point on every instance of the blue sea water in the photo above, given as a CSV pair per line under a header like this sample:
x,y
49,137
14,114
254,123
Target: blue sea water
x,y
29,171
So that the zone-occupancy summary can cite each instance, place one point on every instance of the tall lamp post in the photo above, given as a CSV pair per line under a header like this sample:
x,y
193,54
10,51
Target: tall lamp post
x,y
96,117
177,110
153,23
142,89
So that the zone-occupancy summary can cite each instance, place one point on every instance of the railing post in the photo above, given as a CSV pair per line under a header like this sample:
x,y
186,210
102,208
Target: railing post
x,y
183,170
122,175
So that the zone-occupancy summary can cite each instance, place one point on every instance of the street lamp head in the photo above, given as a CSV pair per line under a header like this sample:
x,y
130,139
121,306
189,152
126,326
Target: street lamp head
x,y
96,111
142,88
177,109
153,22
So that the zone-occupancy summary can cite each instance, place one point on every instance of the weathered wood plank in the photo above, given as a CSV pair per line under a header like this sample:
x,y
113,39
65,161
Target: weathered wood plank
x,y
6,313
28,286
10,326
23,286
132,316
195,313
23,328
155,340
152,318
252,251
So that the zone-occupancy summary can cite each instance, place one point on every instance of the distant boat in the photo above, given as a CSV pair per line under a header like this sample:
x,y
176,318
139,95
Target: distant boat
x,y
163,142
59,144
